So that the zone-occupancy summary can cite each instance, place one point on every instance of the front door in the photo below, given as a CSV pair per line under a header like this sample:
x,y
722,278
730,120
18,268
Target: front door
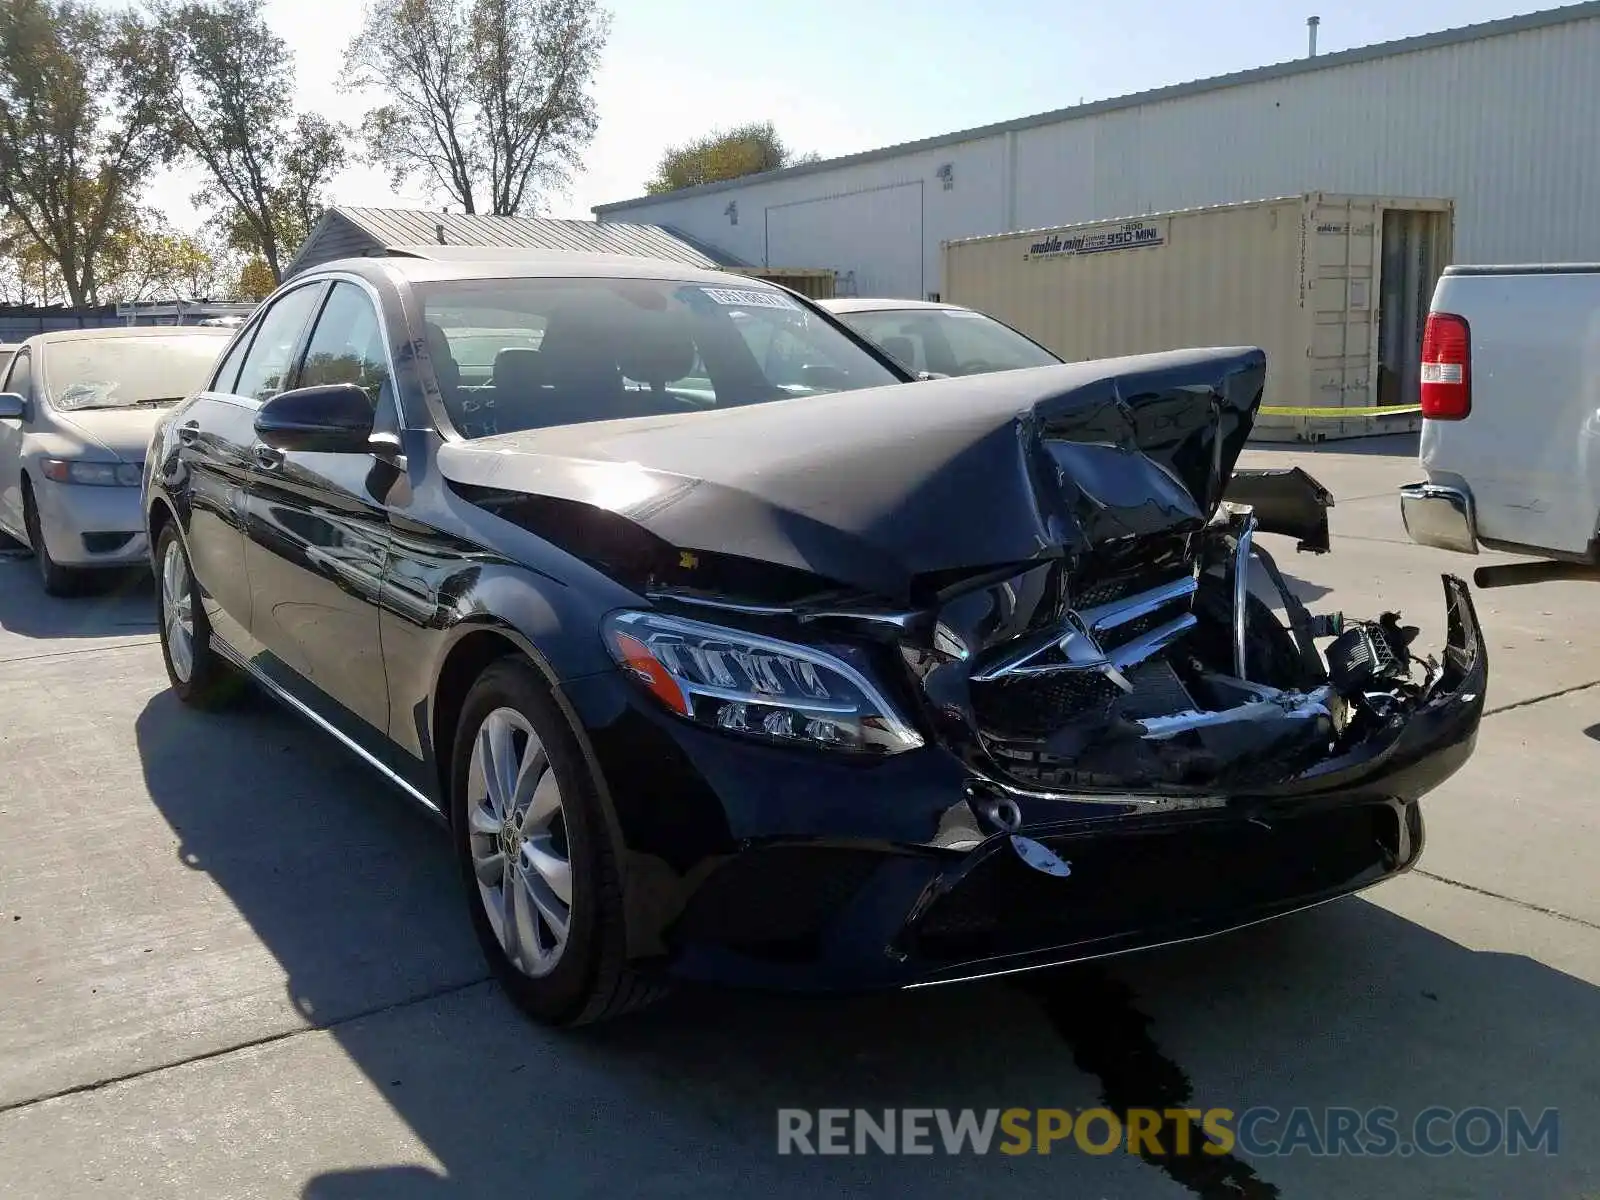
x,y
18,381
318,536
215,436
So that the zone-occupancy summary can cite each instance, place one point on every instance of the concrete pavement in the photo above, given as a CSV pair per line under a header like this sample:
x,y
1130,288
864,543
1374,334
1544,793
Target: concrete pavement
x,y
234,964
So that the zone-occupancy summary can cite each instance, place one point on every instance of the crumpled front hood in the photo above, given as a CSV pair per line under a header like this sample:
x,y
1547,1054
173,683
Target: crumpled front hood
x,y
873,489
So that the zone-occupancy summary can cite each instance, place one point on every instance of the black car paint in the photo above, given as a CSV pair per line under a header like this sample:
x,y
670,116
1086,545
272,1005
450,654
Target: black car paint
x,y
358,587
879,489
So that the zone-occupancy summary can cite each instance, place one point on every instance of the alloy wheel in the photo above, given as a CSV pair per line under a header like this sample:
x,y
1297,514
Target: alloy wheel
x,y
177,610
518,834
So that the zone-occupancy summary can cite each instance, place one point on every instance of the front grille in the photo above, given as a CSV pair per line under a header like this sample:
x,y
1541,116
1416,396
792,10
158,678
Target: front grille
x,y
1121,587
1035,706
1128,631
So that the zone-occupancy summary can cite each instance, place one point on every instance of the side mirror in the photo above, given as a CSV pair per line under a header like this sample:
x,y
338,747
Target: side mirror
x,y
331,418
12,407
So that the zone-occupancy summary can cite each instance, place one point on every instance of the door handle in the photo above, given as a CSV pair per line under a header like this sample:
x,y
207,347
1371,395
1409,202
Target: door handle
x,y
189,433
267,458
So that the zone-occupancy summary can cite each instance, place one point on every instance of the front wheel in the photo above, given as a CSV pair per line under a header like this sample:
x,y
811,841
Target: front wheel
x,y
198,674
536,856
57,580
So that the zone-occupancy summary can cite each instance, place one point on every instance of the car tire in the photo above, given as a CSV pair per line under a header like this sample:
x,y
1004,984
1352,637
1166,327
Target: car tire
x,y
58,580
558,948
200,676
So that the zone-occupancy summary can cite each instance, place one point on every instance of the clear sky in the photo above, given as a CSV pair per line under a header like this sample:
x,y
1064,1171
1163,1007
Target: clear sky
x,y
840,76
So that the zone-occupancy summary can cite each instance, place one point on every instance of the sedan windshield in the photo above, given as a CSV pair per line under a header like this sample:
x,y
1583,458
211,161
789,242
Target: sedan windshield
x,y
512,354
125,372
948,341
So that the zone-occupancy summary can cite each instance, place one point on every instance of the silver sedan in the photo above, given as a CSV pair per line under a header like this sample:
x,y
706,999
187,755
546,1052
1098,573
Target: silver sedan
x,y
77,409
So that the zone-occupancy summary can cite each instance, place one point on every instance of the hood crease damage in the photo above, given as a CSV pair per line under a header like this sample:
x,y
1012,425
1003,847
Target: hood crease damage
x,y
1043,563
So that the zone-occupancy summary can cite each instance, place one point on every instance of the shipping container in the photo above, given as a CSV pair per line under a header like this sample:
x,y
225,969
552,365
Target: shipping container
x,y
1335,289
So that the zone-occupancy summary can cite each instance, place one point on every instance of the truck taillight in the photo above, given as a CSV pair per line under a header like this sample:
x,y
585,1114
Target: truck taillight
x,y
1446,368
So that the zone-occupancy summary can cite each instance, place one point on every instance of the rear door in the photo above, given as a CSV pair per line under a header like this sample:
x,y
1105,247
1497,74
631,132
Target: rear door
x,y
318,534
215,435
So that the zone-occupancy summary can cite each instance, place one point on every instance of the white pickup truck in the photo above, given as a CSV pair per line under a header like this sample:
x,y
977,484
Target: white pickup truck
x,y
1511,421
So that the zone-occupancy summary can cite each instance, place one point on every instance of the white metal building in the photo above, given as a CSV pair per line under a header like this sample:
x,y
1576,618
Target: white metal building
x,y
1499,117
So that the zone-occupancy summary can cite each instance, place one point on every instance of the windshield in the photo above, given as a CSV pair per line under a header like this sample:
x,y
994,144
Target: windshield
x,y
948,341
513,354
124,372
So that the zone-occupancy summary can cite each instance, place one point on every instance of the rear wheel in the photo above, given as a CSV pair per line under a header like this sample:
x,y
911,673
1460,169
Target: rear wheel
x,y
536,856
57,580
198,674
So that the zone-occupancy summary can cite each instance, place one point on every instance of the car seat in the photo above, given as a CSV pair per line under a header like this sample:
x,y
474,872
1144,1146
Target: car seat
x,y
657,350
577,368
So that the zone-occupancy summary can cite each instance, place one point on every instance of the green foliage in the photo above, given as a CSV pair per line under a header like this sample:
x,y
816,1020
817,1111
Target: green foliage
x,y
81,127
723,154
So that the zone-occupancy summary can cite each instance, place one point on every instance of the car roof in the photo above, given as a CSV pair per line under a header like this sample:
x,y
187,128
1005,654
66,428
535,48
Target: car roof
x,y
108,332
854,304
428,264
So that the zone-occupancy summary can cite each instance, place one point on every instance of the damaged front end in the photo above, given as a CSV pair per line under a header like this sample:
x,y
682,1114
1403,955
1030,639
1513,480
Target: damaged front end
x,y
1183,681
1018,643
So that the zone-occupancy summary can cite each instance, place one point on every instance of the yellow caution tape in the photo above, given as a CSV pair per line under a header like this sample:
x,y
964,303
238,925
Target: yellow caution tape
x,y
1334,414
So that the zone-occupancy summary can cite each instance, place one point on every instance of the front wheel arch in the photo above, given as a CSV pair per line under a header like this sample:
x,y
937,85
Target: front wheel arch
x,y
157,517
476,648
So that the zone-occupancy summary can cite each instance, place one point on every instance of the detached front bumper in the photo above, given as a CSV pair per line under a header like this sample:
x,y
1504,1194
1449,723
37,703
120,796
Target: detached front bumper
x,y
1440,516
749,865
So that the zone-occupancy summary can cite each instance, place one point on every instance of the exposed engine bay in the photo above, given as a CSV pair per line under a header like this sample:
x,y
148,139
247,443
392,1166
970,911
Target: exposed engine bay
x,y
1176,677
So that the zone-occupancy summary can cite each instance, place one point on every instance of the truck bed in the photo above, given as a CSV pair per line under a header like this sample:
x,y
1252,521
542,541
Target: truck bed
x,y
1521,471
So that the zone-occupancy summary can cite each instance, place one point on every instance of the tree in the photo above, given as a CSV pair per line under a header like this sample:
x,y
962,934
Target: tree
x,y
141,258
255,282
724,154
487,101
149,260
81,126
29,274
230,96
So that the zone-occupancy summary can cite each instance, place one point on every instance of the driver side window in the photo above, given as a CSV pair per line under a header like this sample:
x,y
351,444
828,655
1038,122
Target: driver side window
x,y
347,344
266,366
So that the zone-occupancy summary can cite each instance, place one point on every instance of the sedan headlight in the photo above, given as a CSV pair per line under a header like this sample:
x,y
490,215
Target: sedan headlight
x,y
92,474
743,683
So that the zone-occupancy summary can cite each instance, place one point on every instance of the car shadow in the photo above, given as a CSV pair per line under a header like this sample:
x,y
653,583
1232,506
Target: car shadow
x,y
112,604
358,901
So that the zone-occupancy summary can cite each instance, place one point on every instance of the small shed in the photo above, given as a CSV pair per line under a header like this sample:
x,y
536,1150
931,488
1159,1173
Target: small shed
x,y
375,232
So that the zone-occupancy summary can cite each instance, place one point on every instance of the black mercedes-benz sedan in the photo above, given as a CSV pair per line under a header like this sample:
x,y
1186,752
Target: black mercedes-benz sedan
x,y
726,652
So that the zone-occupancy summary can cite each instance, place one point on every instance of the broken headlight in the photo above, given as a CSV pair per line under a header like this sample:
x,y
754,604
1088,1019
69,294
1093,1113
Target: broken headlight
x,y
743,683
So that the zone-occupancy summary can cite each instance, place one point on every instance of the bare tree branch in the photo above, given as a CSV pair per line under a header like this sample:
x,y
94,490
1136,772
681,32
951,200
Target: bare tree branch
x,y
481,96
230,97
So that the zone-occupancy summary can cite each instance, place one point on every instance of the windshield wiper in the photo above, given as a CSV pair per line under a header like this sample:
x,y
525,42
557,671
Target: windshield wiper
x,y
157,400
